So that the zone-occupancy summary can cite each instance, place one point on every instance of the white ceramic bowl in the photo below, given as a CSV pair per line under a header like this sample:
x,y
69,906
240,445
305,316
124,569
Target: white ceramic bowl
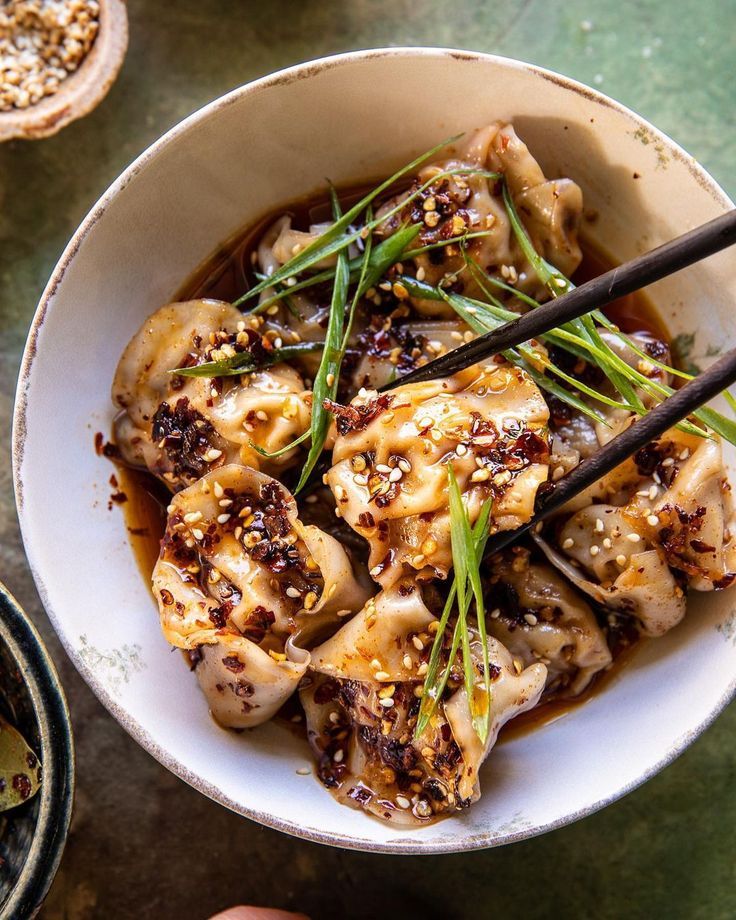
x,y
261,145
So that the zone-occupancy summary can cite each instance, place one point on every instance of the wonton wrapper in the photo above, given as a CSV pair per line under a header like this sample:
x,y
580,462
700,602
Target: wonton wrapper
x,y
566,636
244,600
487,422
170,423
653,536
550,209
366,750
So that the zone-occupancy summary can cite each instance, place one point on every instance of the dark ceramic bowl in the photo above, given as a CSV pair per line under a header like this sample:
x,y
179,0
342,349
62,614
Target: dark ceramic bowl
x,y
32,836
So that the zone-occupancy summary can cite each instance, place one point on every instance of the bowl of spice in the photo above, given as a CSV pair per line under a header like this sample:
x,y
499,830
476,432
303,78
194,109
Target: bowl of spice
x,y
36,765
58,59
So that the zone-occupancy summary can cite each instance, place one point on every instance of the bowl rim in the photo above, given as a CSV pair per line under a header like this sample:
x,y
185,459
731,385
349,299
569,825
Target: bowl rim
x,y
286,76
57,757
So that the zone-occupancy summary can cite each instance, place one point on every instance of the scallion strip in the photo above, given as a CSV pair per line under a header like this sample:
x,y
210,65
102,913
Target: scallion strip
x,y
244,363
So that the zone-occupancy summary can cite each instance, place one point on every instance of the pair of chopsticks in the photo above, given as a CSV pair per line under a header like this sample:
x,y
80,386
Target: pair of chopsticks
x,y
685,250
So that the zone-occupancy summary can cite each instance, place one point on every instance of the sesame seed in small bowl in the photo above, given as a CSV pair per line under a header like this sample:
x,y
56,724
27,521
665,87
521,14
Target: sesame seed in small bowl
x,y
58,59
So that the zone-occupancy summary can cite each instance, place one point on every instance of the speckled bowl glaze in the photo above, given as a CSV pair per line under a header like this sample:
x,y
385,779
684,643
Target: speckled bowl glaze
x,y
32,836
261,145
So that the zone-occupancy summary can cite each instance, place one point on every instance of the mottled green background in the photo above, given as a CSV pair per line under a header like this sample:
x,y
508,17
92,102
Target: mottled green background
x,y
142,843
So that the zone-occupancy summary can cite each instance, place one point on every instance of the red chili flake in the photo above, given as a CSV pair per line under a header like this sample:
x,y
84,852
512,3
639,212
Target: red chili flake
x,y
534,447
326,692
357,418
219,615
233,663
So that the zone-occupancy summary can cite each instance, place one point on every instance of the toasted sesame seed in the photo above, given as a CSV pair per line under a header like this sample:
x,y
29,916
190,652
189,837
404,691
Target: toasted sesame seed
x,y
668,461
621,559
403,802
263,416
395,475
217,489
212,454
223,518
382,675
531,619
480,476
387,703
225,502
599,525
338,755
495,614
652,493
422,669
291,591
426,422
418,560
633,537
607,544
684,455
417,643
406,661
310,600
594,550
376,571
652,520
568,543
197,533
193,517
303,771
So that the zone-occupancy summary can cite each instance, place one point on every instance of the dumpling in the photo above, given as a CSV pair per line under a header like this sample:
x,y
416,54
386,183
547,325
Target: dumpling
x,y
181,427
550,209
625,571
576,436
238,579
361,712
537,616
660,522
391,452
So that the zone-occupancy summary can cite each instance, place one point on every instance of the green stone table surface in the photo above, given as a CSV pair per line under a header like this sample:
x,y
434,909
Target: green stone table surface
x,y
143,844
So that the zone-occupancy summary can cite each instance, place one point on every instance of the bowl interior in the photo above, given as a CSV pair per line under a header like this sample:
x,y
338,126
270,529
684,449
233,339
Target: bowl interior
x,y
263,145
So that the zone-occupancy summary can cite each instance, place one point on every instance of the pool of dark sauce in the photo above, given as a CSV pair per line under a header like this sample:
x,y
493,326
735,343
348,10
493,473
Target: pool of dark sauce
x,y
225,276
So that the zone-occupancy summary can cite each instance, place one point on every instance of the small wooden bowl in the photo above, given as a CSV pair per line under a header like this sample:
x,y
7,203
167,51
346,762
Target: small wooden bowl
x,y
82,90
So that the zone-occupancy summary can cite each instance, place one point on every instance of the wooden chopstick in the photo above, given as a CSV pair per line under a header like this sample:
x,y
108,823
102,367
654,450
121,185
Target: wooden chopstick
x,y
649,427
684,250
